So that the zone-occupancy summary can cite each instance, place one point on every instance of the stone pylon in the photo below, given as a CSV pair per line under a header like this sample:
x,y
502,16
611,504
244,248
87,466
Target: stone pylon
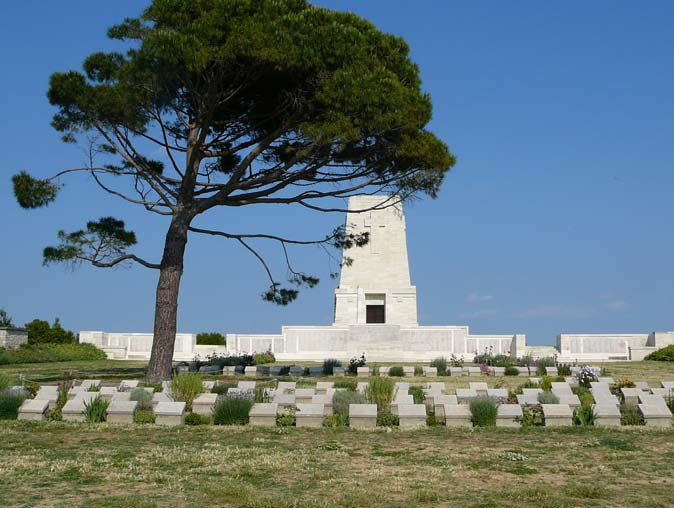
x,y
375,286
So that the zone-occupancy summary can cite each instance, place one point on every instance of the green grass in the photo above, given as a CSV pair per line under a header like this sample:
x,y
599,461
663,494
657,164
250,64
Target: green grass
x,y
78,465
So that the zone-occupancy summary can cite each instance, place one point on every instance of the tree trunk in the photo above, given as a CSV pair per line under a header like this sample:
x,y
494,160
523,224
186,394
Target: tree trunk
x,y
166,305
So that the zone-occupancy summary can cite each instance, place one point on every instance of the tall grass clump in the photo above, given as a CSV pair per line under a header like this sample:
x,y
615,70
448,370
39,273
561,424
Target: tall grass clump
x,y
329,366
440,363
548,398
185,387
380,391
483,411
143,397
584,416
233,409
348,383
342,399
96,411
10,402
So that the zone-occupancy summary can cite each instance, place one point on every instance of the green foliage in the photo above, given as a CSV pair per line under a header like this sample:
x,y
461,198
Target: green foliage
x,y
665,354
584,416
564,370
196,419
584,394
222,387
440,363
329,366
5,381
96,410
669,400
286,417
336,420
210,339
43,353
546,384
143,397
263,358
418,370
433,421
532,416
10,402
262,394
387,419
380,391
356,362
417,392
511,371
348,383
31,192
483,411
185,387
39,332
232,410
548,398
144,416
341,400
630,415
5,319
396,371
542,363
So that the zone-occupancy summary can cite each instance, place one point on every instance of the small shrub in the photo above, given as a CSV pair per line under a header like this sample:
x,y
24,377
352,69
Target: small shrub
x,y
222,387
511,371
417,392
144,416
286,417
96,410
143,397
263,358
542,363
564,369
432,421
342,399
196,419
440,363
185,387
10,402
630,415
54,415
354,363
336,420
546,384
584,416
210,339
232,410
483,411
665,354
418,370
329,366
532,416
387,419
455,361
380,391
348,383
548,398
396,371
584,394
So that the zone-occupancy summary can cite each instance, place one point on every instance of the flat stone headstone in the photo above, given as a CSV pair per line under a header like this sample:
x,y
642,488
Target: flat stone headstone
x,y
651,400
606,379
464,395
229,370
315,371
362,416
208,385
303,395
498,371
527,399
286,386
247,385
284,400
296,371
158,397
309,415
439,402
33,410
363,371
557,415
49,394
401,400
250,371
604,398
608,415
456,371
523,371
412,415
430,371
323,386
597,385
263,414
204,403
121,396
561,389
656,415
275,370
532,391
663,392
551,371
436,386
571,400
73,411
107,392
76,390
480,388
536,380
667,384
325,401
182,369
458,415
127,385
122,411
402,386
501,393
473,371
630,396
338,371
508,415
87,384
360,387
170,413
408,370
643,386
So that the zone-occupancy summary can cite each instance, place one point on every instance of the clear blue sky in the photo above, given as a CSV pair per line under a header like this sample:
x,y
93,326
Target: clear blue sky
x,y
558,217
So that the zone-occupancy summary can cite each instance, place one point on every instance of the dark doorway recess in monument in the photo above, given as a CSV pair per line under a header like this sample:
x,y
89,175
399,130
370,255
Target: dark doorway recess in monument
x,y
376,314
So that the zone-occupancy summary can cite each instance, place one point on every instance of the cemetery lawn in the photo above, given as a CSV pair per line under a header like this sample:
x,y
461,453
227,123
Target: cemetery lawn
x,y
96,466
